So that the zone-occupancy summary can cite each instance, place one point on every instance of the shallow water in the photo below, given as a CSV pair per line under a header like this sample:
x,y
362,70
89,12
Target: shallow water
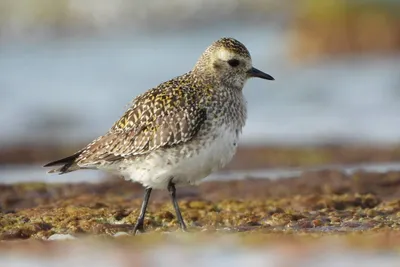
x,y
72,90
29,173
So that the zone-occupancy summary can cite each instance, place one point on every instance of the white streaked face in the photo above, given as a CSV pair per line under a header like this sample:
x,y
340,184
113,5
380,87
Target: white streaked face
x,y
227,55
231,68
229,63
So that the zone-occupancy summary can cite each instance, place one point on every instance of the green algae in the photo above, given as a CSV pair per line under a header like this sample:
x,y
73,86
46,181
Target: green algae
x,y
342,213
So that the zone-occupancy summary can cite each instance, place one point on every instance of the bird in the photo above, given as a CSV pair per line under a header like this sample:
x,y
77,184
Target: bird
x,y
179,132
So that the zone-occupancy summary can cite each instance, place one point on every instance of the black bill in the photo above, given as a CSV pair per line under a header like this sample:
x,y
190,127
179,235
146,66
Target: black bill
x,y
253,72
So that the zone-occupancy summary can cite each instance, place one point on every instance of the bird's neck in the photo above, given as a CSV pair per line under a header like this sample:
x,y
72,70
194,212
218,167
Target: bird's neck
x,y
209,79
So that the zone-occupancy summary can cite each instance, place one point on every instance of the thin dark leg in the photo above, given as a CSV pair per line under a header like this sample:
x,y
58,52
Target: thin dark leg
x,y
140,220
172,191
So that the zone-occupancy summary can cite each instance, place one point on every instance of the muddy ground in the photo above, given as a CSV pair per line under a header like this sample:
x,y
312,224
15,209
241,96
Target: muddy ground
x,y
322,203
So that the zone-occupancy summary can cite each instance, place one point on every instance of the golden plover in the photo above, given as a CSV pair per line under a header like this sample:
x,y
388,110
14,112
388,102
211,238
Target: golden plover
x,y
178,132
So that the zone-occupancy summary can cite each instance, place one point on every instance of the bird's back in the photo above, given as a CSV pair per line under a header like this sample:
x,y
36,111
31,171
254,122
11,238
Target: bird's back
x,y
165,116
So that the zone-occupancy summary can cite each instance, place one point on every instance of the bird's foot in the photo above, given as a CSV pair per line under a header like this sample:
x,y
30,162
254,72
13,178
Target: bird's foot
x,y
183,227
139,228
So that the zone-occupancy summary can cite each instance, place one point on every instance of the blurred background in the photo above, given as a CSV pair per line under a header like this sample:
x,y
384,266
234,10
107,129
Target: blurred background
x,y
69,68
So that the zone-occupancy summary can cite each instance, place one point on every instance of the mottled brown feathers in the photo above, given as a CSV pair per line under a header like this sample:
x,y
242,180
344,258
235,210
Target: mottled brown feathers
x,y
162,117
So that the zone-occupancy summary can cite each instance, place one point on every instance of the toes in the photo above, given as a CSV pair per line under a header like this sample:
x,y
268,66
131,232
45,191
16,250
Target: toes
x,y
138,229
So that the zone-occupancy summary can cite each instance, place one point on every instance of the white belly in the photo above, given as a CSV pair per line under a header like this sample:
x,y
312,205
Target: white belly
x,y
190,167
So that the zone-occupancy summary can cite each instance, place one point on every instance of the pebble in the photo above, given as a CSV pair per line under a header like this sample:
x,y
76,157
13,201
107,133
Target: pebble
x,y
61,237
118,234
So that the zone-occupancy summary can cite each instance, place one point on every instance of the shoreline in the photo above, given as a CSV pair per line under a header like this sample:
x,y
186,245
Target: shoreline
x,y
247,157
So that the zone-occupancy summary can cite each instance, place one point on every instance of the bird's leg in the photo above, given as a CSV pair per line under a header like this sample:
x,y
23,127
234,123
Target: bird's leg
x,y
172,191
140,219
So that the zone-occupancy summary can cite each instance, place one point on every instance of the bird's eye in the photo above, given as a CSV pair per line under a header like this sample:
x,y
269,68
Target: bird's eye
x,y
233,62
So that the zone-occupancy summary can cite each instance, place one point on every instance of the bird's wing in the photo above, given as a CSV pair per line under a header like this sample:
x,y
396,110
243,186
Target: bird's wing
x,y
158,118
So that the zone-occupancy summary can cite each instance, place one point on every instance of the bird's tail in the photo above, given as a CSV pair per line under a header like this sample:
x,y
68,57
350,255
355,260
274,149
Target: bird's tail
x,y
68,164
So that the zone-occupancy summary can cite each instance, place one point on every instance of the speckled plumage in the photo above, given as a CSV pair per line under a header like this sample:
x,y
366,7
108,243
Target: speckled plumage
x,y
180,131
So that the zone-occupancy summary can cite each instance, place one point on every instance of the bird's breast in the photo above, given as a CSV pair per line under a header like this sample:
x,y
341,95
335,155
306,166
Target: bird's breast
x,y
219,147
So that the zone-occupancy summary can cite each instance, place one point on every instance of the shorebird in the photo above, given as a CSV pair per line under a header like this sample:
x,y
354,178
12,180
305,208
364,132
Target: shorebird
x,y
178,132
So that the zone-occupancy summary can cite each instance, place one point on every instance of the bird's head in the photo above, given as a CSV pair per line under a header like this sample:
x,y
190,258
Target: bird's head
x,y
228,62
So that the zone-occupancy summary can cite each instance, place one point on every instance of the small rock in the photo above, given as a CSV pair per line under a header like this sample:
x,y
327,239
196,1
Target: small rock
x,y
61,237
118,234
316,223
